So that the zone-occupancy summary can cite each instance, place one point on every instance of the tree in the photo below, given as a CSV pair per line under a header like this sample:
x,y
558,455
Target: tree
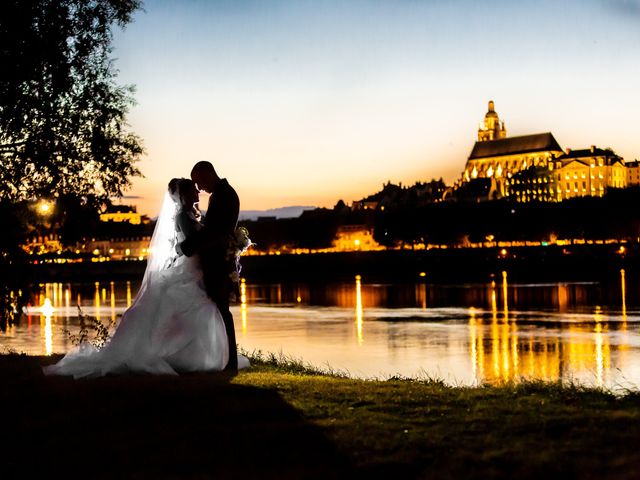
x,y
62,115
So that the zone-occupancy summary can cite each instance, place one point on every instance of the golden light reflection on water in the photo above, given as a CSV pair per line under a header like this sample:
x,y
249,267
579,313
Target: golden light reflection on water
x,y
112,302
128,294
623,290
359,310
47,311
513,354
505,295
243,305
67,302
96,300
51,303
508,337
421,295
602,349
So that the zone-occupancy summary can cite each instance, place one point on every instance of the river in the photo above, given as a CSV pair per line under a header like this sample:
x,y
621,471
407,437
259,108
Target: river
x,y
465,334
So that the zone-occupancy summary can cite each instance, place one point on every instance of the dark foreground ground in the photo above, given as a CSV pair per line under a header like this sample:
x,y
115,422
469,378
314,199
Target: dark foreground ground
x,y
278,420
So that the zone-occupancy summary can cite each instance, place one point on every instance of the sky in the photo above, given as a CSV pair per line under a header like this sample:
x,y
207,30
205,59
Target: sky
x,y
305,102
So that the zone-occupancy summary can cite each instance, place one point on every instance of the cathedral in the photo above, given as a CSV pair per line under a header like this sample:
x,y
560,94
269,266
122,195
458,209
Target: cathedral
x,y
493,128
535,168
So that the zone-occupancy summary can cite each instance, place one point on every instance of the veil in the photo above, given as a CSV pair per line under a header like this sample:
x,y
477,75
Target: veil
x,y
161,250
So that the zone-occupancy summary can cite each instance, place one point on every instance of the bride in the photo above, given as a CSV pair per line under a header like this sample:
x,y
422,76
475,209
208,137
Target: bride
x,y
172,325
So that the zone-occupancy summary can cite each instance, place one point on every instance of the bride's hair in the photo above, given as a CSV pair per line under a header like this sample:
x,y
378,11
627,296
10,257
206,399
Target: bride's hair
x,y
179,189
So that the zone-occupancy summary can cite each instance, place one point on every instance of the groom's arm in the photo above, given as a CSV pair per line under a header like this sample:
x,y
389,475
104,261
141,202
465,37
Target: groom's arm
x,y
220,222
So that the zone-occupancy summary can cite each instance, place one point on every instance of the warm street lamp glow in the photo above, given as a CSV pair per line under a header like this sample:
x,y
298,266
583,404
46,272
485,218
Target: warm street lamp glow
x,y
45,208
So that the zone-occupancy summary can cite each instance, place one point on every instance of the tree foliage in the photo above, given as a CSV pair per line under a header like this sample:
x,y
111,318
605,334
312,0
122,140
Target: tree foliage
x,y
62,114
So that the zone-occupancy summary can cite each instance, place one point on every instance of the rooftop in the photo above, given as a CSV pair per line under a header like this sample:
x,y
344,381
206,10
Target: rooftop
x,y
587,152
538,142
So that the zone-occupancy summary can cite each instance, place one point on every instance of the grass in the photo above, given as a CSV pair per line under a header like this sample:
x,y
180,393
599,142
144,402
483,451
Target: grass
x,y
283,419
425,428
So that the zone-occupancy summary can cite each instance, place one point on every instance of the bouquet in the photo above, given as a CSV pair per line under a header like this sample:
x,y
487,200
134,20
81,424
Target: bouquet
x,y
239,242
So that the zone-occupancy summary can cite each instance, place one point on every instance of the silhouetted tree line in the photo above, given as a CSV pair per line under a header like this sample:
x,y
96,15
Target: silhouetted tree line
x,y
406,221
317,228
313,229
613,216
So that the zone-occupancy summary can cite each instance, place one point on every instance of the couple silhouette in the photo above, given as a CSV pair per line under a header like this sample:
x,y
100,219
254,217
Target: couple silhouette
x,y
211,243
180,319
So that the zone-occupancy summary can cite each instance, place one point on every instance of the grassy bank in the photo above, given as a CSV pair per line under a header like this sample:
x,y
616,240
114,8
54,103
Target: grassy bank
x,y
279,420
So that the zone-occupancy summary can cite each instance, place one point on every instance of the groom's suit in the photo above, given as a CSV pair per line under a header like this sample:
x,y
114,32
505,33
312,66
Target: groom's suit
x,y
212,243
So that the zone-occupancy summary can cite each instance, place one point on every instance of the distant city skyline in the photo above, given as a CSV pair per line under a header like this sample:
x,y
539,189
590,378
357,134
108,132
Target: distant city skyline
x,y
308,102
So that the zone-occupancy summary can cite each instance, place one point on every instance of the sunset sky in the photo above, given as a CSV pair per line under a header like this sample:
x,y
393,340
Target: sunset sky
x,y
305,102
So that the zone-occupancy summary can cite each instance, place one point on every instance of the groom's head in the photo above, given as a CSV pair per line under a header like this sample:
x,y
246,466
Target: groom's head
x,y
205,176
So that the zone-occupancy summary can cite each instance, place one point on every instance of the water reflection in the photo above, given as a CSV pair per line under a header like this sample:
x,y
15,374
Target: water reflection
x,y
47,311
128,294
96,301
491,332
623,291
112,302
359,310
243,305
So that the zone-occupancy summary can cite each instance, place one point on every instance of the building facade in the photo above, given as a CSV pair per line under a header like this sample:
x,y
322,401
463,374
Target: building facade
x,y
122,213
633,173
533,184
499,157
351,238
588,172
535,168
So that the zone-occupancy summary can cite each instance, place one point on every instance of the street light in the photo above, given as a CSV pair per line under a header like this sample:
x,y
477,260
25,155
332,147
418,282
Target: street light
x,y
45,208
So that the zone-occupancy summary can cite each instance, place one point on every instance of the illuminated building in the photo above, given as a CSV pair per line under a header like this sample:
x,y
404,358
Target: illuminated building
x,y
498,157
534,167
492,129
591,171
129,248
121,213
354,237
532,184
39,244
633,173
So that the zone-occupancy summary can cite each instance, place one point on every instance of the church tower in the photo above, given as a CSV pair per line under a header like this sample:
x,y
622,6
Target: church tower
x,y
493,128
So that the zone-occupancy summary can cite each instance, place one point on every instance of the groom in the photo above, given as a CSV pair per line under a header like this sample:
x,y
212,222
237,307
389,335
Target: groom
x,y
212,243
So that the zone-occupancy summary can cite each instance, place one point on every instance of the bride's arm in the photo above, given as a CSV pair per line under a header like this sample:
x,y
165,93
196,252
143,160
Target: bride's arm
x,y
188,225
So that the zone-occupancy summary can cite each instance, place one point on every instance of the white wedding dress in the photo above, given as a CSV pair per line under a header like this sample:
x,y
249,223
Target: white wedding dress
x,y
171,327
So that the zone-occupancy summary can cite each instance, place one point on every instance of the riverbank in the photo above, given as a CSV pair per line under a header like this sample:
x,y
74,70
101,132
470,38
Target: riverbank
x,y
584,262
281,420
